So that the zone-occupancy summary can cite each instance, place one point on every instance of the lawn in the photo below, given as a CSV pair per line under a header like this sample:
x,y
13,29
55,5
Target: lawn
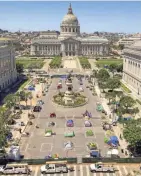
x,y
103,62
31,63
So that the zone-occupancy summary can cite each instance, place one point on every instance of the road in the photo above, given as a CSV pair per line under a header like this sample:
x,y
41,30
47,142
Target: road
x,y
83,170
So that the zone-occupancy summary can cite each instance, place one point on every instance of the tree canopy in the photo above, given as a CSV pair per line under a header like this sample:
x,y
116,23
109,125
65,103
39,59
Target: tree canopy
x,y
127,102
113,83
103,75
19,67
132,132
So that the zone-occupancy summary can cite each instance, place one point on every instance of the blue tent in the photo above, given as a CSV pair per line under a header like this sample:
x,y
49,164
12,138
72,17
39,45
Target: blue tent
x,y
31,88
114,140
70,121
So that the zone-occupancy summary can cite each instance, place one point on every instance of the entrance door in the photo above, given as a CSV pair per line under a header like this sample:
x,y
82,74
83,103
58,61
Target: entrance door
x,y
69,53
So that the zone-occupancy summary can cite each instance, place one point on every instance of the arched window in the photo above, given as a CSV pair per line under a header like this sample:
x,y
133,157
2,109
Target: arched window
x,y
76,29
69,29
66,29
73,30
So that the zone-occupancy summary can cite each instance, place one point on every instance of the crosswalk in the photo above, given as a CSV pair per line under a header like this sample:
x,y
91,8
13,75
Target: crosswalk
x,y
83,170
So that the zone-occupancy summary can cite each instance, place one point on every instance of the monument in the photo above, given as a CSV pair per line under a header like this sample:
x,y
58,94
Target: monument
x,y
69,98
69,94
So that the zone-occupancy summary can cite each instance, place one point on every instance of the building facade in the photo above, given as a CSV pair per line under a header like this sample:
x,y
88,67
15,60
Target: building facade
x,y
69,41
132,66
128,41
8,73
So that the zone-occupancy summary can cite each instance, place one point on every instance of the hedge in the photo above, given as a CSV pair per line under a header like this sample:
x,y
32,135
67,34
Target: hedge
x,y
84,63
55,62
125,88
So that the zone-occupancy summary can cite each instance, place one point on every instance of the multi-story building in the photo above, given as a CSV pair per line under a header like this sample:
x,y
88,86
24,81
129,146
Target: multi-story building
x,y
128,41
69,42
8,73
132,66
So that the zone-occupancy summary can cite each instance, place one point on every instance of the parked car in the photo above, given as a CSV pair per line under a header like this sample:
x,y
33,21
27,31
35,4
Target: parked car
x,y
37,109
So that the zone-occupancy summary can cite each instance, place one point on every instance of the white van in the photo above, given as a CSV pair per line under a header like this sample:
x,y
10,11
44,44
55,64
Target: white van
x,y
15,169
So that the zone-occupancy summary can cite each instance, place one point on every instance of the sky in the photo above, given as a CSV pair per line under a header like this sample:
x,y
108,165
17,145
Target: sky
x,y
93,16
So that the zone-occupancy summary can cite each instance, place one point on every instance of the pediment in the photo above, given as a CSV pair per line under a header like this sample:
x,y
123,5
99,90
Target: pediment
x,y
70,39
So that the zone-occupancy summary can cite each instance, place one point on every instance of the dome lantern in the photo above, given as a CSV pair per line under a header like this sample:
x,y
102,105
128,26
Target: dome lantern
x,y
70,10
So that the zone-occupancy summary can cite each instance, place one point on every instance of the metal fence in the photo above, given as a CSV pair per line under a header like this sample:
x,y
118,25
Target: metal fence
x,y
37,161
111,160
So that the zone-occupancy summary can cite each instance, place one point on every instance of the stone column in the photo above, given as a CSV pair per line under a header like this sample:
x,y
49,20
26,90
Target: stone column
x,y
32,50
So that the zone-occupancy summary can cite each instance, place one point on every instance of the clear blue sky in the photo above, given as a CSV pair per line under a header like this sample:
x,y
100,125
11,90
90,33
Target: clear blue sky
x,y
92,16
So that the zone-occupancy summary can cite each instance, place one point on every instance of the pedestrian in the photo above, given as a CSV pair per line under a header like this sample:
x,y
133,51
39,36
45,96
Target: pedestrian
x,y
120,136
126,153
122,150
20,130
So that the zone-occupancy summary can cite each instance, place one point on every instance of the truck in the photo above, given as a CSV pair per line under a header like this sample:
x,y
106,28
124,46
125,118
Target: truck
x,y
52,168
100,167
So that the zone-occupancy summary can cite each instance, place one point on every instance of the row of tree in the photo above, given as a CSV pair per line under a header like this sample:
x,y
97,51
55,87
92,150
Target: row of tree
x,y
126,104
112,85
6,112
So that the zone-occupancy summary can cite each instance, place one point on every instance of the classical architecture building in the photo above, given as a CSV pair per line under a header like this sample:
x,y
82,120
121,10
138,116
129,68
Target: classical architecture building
x,y
8,73
69,41
132,66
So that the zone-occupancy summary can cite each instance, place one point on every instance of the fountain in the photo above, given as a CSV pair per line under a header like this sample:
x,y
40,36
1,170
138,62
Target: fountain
x,y
69,98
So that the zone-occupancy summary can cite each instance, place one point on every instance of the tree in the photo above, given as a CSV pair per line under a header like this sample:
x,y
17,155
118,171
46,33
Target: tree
x,y
102,85
110,96
121,46
19,67
24,96
10,100
127,102
113,83
120,68
113,67
132,132
103,75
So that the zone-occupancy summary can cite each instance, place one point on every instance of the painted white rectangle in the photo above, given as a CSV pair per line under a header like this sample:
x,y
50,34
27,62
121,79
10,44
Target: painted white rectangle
x,y
101,174
75,173
119,171
81,170
125,170
87,170
107,174
36,171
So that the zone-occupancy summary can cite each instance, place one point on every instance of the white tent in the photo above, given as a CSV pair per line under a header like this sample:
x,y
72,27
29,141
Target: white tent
x,y
14,153
68,145
113,152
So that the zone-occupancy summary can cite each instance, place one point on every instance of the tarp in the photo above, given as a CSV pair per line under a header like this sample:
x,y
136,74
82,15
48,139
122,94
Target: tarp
x,y
94,153
114,140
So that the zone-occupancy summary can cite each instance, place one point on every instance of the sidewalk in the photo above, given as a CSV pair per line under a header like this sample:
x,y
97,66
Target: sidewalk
x,y
117,129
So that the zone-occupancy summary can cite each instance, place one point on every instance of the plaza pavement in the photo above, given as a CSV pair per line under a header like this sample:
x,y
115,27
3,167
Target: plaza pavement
x,y
38,146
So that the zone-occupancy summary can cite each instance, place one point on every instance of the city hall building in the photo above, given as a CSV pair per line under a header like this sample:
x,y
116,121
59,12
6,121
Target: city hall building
x,y
132,66
69,41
